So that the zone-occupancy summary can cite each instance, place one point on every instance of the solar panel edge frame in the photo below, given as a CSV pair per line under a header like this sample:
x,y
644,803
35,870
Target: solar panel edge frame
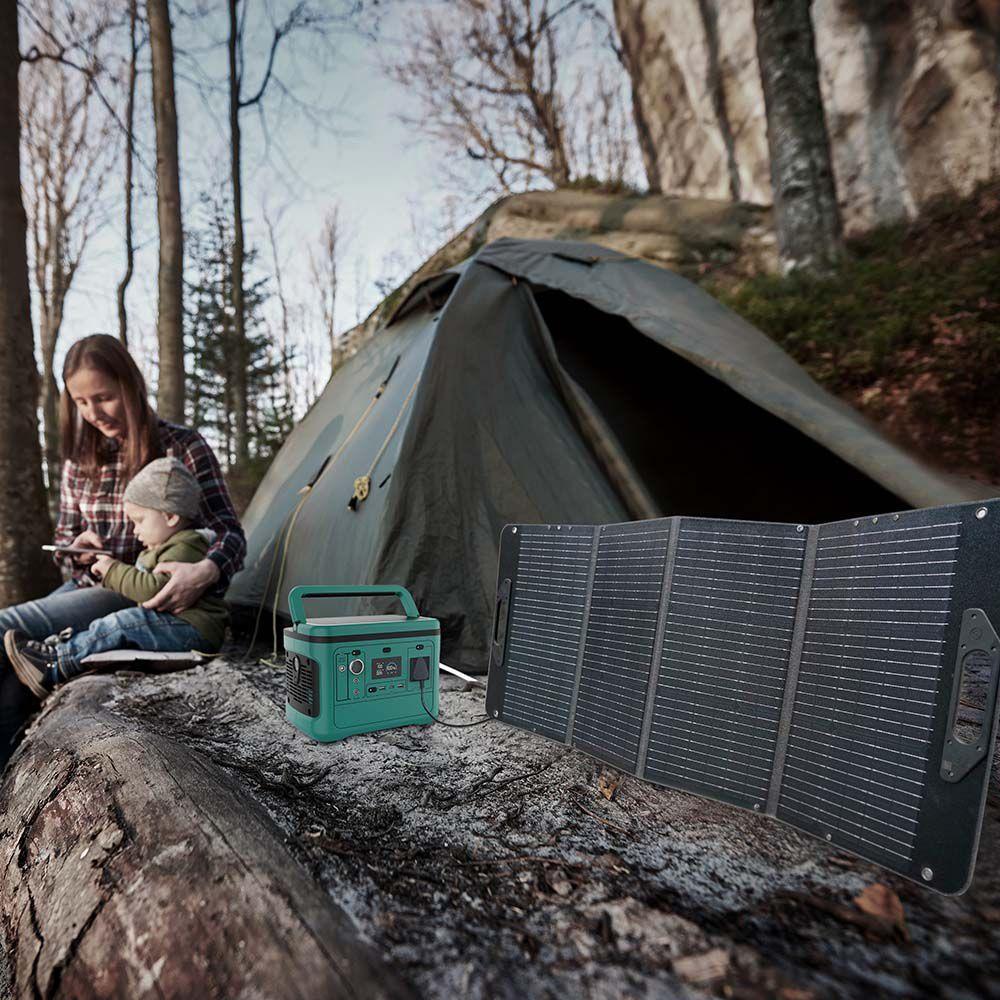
x,y
657,650
792,670
775,786
582,644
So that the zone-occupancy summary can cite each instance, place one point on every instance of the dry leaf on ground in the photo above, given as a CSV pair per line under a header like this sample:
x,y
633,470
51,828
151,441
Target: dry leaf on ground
x,y
880,901
608,783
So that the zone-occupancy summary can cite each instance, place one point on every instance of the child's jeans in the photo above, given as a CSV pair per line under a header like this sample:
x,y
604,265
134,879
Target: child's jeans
x,y
130,628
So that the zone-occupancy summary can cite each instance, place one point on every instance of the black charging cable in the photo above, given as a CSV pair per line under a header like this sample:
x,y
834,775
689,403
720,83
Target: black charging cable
x,y
441,722
420,671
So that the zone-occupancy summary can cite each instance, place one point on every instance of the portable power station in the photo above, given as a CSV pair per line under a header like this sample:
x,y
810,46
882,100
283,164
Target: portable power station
x,y
360,673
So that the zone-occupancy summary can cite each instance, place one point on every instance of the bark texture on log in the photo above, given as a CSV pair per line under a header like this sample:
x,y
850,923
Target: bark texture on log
x,y
132,867
491,864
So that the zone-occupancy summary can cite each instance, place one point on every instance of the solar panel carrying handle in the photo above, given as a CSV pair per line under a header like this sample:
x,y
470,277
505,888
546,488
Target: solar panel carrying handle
x,y
500,614
979,650
298,594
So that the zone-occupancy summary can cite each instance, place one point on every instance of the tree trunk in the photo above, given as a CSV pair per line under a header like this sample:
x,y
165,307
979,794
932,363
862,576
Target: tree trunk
x,y
240,336
49,403
630,53
807,216
96,805
24,519
129,158
170,320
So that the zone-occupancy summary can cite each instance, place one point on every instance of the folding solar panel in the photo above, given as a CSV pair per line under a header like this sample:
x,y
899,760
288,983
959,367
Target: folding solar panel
x,y
839,677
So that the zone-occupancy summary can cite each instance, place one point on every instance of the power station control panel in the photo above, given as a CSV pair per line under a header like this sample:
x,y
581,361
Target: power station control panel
x,y
382,671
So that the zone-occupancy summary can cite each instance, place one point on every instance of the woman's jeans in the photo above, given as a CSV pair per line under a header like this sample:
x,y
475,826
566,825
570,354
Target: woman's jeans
x,y
69,606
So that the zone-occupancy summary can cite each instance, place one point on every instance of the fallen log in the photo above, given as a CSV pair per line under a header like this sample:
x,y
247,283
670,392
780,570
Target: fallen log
x,y
134,867
483,863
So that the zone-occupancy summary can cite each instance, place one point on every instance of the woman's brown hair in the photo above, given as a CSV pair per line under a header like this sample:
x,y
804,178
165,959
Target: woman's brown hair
x,y
83,443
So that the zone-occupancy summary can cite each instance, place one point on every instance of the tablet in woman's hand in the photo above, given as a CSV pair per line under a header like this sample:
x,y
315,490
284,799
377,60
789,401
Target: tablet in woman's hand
x,y
82,550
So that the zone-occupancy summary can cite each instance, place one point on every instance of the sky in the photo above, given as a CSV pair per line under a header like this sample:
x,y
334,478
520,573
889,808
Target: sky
x,y
334,139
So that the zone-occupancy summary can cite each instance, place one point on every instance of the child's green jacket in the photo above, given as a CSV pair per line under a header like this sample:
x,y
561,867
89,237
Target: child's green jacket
x,y
141,582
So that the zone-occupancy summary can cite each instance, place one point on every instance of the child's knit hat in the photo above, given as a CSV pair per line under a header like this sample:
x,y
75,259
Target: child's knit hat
x,y
166,484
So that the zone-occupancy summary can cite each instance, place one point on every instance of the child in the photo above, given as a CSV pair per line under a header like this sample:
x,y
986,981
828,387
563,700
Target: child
x,y
162,502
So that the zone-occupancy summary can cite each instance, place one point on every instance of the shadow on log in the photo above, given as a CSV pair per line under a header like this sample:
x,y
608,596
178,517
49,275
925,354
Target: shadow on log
x,y
133,867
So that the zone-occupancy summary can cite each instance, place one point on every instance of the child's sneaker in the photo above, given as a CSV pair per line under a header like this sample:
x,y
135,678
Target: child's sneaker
x,y
32,661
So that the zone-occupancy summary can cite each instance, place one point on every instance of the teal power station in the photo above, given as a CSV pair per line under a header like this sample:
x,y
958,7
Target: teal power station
x,y
360,673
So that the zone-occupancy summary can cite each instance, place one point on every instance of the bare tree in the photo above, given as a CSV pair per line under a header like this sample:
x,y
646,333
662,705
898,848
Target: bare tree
x,y
299,17
133,17
323,269
805,199
487,75
604,135
170,321
68,139
24,517
285,328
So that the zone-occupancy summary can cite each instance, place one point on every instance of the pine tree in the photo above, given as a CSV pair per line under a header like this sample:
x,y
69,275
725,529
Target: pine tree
x,y
211,336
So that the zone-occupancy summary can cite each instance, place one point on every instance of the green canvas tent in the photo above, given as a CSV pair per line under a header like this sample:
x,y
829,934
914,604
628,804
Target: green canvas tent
x,y
553,382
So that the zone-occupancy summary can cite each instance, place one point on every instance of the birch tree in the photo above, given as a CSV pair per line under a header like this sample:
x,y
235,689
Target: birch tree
x,y
323,267
807,216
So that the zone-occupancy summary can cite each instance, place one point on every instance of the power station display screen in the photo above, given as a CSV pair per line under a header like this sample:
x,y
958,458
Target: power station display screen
x,y
385,669
808,672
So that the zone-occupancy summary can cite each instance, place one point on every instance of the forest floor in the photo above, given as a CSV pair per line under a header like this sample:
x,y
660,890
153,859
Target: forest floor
x,y
491,863
907,329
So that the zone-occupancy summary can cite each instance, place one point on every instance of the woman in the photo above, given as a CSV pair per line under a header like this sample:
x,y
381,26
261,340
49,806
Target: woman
x,y
109,432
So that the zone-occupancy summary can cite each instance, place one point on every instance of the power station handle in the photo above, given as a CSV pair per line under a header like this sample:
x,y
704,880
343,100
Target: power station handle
x,y
297,594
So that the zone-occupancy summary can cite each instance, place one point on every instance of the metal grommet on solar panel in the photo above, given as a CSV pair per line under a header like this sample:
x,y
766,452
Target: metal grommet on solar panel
x,y
926,874
895,517
800,527
496,714
513,531
856,523
981,513
829,836
874,520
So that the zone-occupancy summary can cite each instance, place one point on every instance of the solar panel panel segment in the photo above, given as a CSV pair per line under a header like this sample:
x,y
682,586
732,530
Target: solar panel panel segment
x,y
621,628
868,683
730,618
545,629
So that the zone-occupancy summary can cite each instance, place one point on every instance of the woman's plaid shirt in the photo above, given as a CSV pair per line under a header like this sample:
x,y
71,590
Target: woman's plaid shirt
x,y
98,505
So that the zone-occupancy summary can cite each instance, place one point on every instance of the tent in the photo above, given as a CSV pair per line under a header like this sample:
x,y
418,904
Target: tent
x,y
560,382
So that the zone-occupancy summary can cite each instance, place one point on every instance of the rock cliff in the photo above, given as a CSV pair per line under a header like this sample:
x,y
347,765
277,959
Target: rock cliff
x,y
911,90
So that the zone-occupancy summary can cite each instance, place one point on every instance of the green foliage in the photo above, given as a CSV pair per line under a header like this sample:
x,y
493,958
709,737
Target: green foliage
x,y
211,355
907,329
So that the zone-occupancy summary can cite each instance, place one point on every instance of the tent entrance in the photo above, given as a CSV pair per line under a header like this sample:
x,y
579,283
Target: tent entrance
x,y
701,447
